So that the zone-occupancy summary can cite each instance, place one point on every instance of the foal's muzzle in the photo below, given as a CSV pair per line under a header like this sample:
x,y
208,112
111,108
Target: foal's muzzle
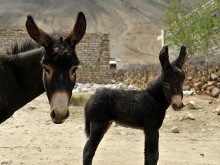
x,y
176,102
59,107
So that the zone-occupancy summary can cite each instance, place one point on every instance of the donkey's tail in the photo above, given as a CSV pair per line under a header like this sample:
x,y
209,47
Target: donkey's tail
x,y
87,127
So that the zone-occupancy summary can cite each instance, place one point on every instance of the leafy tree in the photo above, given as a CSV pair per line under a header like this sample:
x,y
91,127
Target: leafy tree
x,y
194,27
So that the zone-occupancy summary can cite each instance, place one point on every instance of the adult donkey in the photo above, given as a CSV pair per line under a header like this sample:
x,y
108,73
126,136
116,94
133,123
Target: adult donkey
x,y
144,110
21,74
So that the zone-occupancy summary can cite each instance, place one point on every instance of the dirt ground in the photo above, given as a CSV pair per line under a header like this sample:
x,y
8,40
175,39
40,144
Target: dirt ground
x,y
30,138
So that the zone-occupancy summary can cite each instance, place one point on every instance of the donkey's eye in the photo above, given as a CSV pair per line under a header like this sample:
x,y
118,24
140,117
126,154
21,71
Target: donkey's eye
x,y
47,69
166,85
72,72
73,69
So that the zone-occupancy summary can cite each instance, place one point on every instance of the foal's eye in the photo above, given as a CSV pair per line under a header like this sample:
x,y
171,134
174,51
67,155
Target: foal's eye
x,y
166,85
181,84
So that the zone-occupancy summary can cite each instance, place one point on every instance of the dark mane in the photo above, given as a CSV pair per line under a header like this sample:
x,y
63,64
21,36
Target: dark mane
x,y
28,44
22,47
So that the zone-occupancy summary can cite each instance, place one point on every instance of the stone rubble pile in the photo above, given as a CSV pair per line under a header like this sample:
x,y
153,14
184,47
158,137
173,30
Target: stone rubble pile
x,y
91,87
203,81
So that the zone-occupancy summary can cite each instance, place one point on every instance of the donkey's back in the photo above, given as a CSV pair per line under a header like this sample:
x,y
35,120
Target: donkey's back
x,y
18,73
6,78
8,87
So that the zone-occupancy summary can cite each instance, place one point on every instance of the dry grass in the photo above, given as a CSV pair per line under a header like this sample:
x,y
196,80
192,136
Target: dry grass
x,y
79,99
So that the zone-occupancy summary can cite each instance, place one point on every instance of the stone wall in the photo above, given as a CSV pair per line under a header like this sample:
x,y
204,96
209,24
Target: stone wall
x,y
203,80
202,76
93,52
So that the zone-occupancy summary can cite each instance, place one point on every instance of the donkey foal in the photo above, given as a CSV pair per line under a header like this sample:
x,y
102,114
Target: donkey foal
x,y
144,110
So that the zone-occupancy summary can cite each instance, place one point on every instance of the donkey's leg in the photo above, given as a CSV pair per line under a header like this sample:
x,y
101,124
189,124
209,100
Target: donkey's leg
x,y
151,147
4,115
97,132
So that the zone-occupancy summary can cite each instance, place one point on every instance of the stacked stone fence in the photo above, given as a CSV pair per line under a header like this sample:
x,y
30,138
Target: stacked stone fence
x,y
202,76
93,53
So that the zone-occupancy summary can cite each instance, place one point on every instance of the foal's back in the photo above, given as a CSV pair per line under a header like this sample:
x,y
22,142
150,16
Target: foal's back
x,y
129,108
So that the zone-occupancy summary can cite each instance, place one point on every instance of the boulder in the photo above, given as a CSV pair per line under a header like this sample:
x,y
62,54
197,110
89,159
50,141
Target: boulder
x,y
210,88
174,129
215,92
217,110
188,116
198,85
212,83
191,105
205,86
188,93
186,87
214,76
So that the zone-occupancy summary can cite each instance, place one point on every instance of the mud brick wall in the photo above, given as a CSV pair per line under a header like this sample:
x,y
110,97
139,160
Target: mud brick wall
x,y
93,53
10,36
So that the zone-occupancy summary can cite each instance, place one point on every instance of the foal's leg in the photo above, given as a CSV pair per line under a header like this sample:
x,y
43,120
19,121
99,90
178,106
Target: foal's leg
x,y
96,134
151,147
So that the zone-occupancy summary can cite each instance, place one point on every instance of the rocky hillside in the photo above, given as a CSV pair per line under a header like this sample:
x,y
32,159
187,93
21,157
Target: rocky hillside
x,y
133,25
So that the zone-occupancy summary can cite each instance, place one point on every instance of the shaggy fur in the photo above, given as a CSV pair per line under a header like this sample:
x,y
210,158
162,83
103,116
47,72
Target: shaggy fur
x,y
24,47
144,110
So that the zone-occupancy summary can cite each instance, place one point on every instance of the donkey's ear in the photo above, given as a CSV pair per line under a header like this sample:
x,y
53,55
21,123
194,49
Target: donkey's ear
x,y
37,34
164,57
78,31
182,57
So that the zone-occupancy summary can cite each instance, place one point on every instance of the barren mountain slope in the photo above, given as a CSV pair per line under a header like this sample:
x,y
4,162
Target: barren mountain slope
x,y
133,25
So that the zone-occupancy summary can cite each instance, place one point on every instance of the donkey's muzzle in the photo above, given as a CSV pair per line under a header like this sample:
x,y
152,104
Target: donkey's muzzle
x,y
176,102
59,107
59,118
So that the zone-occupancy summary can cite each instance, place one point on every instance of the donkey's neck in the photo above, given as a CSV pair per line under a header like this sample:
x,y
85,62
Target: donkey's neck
x,y
156,91
28,71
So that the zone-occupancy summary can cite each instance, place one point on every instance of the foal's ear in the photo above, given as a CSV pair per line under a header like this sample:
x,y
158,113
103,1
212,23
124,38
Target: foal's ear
x,y
164,57
36,33
78,31
182,57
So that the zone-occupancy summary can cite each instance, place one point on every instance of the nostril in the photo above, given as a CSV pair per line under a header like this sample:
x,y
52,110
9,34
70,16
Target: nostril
x,y
174,106
52,114
67,115
57,122
177,107
183,105
56,114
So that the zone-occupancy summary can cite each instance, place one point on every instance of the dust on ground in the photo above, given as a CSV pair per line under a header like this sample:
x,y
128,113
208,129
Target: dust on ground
x,y
30,138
